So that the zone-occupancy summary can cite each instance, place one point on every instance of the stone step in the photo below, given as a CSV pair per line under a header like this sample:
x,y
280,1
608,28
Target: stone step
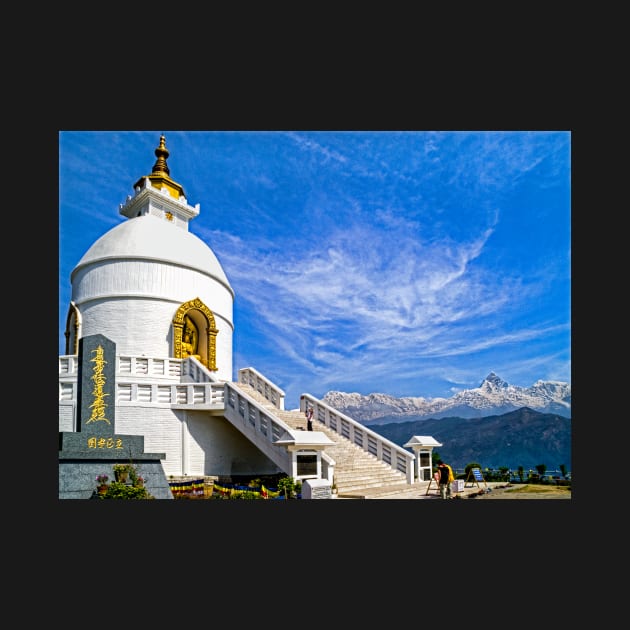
x,y
358,487
373,492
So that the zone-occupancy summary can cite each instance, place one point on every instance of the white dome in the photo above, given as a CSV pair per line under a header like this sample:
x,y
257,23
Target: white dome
x,y
130,283
149,238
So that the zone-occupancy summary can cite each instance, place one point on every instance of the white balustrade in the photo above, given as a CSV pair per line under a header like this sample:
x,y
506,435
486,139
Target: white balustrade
x,y
253,378
383,449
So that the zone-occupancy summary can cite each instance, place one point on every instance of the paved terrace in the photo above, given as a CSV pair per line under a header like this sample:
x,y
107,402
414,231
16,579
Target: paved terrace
x,y
419,491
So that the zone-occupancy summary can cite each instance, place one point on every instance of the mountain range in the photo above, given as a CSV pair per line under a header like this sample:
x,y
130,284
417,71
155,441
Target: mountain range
x,y
493,397
519,438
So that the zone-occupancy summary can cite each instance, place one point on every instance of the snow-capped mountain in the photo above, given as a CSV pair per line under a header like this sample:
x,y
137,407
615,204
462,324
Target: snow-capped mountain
x,y
493,397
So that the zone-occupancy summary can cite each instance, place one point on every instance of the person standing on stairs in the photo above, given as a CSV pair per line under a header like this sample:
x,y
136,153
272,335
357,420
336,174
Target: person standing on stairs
x,y
309,418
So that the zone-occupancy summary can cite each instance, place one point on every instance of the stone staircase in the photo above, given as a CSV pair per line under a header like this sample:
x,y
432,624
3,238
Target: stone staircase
x,y
358,474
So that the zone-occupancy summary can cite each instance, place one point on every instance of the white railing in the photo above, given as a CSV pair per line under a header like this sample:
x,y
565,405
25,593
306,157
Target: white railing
x,y
68,365
177,396
250,376
328,467
195,371
150,367
257,424
132,386
383,449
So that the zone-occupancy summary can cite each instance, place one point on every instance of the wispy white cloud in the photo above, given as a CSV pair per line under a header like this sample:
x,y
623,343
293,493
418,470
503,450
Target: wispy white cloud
x,y
308,144
412,260
362,293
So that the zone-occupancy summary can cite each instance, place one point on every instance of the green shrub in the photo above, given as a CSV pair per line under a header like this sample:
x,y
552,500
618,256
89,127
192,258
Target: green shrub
x,y
286,485
117,490
248,494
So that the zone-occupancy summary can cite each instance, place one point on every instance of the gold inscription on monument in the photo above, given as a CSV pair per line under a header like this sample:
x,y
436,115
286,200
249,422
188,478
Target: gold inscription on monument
x,y
101,442
98,405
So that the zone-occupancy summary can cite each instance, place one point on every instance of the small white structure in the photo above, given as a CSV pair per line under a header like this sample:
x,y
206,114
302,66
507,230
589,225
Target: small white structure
x,y
306,449
422,446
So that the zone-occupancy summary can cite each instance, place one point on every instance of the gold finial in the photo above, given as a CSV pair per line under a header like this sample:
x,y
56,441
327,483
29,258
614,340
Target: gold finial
x,y
160,174
161,153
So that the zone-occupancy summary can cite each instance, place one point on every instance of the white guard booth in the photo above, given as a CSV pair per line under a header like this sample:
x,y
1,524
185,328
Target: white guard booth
x,y
422,446
306,449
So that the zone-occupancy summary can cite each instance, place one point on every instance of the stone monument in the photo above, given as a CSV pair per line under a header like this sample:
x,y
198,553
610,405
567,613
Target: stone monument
x,y
95,447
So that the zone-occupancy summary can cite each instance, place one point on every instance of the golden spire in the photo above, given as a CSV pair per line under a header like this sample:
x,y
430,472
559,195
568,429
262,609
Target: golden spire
x,y
159,177
162,154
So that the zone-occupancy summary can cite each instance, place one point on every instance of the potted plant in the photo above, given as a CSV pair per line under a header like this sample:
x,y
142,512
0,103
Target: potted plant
x,y
101,481
121,471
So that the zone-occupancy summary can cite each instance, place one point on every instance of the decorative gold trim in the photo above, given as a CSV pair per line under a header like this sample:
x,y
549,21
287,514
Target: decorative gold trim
x,y
72,329
207,332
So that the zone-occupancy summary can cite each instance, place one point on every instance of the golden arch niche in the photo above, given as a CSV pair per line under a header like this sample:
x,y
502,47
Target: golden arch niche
x,y
73,326
195,333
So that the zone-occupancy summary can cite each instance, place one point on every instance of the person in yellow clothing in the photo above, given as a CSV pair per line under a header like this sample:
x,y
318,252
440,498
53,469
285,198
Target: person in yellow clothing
x,y
444,482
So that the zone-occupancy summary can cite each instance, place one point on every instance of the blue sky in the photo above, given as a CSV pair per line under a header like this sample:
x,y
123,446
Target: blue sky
x,y
408,263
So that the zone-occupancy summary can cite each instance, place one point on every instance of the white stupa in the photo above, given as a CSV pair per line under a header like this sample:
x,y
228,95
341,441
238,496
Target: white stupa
x,y
147,280
160,295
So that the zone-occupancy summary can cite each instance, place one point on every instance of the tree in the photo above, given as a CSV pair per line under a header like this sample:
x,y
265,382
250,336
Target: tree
x,y
286,485
563,470
521,473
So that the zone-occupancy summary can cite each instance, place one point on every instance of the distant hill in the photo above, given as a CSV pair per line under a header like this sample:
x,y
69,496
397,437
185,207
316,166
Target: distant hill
x,y
519,438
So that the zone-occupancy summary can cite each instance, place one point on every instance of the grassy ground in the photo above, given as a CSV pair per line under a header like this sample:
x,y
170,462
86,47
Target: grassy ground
x,y
528,491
